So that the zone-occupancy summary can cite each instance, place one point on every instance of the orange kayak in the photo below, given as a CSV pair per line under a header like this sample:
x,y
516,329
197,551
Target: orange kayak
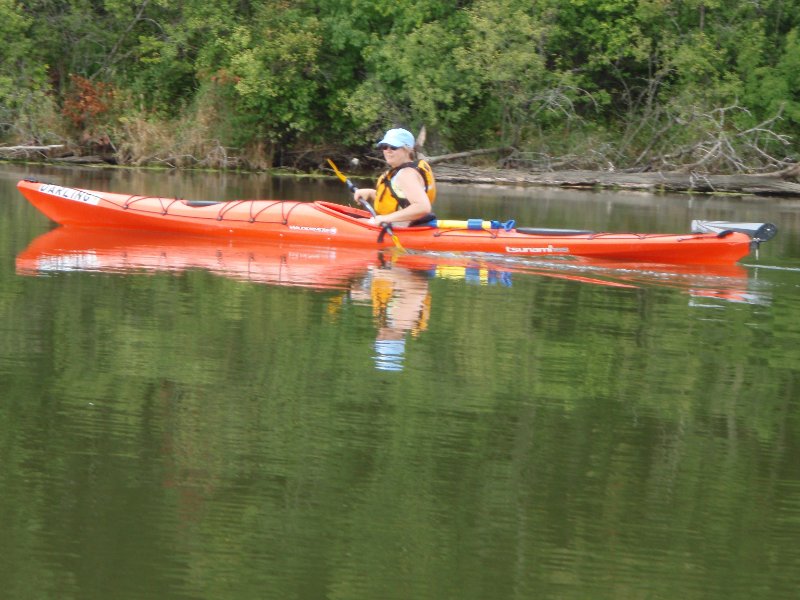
x,y
328,224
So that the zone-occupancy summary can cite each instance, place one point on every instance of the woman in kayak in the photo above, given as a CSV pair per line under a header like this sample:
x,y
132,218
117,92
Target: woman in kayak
x,y
404,194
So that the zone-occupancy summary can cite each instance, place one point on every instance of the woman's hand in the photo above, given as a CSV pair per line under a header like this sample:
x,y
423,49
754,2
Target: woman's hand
x,y
367,194
379,221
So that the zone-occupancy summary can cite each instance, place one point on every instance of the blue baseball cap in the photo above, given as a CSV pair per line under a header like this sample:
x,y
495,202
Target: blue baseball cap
x,y
398,137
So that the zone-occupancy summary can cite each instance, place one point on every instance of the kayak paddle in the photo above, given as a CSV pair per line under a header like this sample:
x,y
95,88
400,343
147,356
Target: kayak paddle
x,y
353,189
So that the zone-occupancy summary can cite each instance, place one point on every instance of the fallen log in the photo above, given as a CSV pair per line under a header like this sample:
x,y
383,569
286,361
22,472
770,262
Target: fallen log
x,y
85,160
28,151
467,154
767,184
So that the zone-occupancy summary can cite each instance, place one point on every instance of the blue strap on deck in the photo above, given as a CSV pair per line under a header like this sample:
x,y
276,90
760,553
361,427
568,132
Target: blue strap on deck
x,y
507,225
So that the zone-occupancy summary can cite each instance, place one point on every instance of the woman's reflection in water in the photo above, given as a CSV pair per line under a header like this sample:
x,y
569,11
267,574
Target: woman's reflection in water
x,y
400,302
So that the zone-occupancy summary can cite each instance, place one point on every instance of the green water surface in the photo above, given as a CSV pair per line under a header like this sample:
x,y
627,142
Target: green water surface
x,y
196,433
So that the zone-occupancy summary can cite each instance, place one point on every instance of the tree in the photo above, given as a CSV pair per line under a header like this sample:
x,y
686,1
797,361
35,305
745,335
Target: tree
x,y
26,112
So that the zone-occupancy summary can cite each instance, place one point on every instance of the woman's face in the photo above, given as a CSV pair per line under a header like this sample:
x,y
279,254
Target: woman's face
x,y
395,156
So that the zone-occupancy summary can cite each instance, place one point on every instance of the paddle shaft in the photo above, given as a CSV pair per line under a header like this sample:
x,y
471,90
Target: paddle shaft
x,y
353,189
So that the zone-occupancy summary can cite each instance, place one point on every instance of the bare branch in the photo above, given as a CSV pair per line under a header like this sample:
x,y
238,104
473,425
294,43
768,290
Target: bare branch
x,y
110,58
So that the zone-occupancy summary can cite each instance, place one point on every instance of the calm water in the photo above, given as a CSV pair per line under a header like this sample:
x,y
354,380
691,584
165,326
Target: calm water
x,y
181,419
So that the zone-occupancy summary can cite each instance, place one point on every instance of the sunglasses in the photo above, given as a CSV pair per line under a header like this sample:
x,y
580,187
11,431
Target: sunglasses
x,y
387,147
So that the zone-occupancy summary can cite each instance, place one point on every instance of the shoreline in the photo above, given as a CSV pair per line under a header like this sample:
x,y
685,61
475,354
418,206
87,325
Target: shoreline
x,y
778,184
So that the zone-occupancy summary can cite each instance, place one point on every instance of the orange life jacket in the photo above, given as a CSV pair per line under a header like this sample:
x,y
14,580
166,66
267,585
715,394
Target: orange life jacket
x,y
388,199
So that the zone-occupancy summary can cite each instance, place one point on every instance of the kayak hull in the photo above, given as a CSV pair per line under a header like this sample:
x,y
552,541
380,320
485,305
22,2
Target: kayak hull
x,y
325,223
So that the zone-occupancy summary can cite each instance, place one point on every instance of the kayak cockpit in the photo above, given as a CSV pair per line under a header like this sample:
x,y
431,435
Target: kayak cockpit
x,y
340,210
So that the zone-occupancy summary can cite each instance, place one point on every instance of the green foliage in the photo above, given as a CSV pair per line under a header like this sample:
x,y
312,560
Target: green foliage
x,y
776,88
504,60
597,34
290,76
273,62
25,109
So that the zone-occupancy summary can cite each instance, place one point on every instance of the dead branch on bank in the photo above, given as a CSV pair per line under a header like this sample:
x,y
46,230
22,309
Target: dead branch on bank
x,y
724,147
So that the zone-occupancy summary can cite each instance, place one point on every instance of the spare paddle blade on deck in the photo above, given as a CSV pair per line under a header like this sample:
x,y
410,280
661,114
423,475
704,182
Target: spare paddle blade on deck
x,y
759,232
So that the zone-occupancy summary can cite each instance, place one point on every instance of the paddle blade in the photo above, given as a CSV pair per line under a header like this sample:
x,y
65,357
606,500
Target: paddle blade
x,y
341,176
336,170
397,243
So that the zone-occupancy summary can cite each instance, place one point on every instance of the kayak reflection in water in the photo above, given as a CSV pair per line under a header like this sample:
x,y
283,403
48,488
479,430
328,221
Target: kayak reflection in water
x,y
400,302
